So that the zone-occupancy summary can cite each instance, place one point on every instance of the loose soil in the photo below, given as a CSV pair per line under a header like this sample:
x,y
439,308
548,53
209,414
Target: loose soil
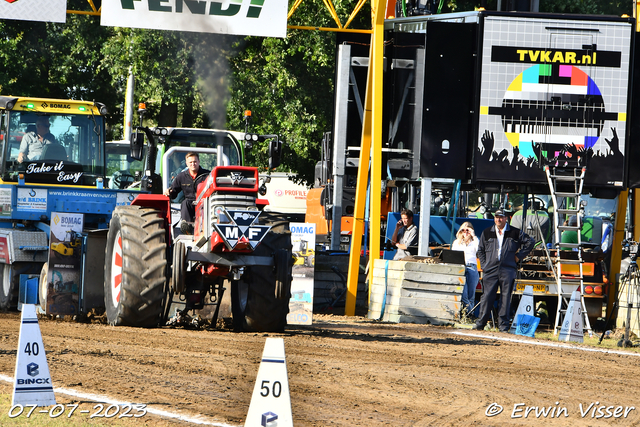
x,y
343,371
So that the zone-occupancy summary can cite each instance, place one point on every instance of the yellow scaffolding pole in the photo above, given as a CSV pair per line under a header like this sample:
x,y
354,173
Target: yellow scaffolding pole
x,y
371,146
94,11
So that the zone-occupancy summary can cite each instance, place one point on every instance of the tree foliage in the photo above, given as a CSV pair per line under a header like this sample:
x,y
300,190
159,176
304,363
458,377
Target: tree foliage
x,y
288,85
55,60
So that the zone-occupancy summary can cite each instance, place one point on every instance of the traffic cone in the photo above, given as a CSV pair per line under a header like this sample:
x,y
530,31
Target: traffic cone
x,y
572,327
524,308
32,384
271,403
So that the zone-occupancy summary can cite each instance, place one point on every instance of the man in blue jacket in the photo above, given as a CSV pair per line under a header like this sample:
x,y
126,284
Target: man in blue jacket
x,y
500,249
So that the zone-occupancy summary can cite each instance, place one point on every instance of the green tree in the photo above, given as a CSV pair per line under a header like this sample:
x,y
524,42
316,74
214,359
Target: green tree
x,y
183,77
288,85
55,60
162,64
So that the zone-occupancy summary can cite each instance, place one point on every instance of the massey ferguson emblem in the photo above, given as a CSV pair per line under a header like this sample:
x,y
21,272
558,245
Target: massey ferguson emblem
x,y
236,178
240,229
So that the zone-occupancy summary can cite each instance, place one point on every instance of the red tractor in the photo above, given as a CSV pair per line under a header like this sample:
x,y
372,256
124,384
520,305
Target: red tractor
x,y
148,260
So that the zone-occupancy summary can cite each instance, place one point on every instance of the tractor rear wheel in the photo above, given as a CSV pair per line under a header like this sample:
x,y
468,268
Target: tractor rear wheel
x,y
260,299
135,270
10,282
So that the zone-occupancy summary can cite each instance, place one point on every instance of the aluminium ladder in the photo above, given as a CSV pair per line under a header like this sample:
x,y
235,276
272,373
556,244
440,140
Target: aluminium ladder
x,y
572,179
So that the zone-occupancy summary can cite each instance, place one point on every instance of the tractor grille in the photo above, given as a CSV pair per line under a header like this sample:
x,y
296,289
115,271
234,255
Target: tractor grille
x,y
233,201
235,179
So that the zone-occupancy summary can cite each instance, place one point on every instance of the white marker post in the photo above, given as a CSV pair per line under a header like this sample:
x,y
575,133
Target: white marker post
x,y
572,329
525,307
271,404
32,384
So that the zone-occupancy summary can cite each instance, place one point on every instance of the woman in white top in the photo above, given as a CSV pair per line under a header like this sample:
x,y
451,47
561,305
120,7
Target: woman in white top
x,y
467,242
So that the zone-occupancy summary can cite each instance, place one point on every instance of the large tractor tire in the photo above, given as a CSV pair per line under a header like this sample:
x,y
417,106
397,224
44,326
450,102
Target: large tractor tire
x,y
8,290
135,271
10,282
260,299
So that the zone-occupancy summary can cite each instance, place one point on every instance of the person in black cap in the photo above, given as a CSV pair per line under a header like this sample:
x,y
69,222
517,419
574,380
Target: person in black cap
x,y
499,250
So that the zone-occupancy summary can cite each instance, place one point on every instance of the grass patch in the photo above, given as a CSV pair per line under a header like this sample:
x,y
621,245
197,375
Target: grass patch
x,y
609,343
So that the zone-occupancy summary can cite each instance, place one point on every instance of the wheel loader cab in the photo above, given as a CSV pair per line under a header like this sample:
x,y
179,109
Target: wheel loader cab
x,y
67,149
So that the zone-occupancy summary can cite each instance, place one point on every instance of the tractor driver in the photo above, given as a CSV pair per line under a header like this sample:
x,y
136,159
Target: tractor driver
x,y
187,181
33,142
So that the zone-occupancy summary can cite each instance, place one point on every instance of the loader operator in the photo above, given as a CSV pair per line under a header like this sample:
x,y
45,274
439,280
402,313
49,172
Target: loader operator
x,y
33,142
187,181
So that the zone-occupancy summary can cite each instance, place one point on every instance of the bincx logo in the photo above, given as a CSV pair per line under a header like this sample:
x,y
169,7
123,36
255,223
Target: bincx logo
x,y
33,369
199,7
269,419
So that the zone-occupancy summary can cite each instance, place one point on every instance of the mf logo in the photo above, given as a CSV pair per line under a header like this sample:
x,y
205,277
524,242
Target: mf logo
x,y
32,369
199,7
242,228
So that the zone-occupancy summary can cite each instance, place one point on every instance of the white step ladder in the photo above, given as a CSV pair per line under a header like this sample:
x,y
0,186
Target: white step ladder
x,y
572,180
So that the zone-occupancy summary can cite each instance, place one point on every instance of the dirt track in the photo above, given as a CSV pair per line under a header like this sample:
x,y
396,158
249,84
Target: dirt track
x,y
342,371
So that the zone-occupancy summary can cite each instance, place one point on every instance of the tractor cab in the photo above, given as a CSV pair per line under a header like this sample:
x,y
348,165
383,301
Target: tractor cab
x,y
167,150
123,171
215,148
51,141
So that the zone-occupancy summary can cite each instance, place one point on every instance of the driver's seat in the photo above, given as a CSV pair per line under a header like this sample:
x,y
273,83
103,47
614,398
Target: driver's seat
x,y
54,151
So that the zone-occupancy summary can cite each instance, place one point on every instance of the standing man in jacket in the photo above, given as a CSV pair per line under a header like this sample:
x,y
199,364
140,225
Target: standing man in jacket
x,y
187,181
501,247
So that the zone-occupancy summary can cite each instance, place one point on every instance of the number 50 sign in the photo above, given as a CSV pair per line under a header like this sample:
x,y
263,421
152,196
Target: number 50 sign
x,y
271,404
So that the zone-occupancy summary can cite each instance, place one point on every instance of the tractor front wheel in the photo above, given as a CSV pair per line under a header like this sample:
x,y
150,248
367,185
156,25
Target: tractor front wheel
x,y
135,270
260,299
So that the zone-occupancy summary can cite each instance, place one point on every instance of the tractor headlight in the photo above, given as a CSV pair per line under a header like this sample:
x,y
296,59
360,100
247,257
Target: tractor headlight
x,y
220,214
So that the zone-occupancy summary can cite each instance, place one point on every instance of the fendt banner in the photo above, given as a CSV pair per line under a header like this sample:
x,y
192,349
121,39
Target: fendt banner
x,y
240,17
34,10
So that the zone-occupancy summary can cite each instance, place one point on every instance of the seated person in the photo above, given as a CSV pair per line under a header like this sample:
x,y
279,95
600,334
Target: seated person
x,y
33,142
187,182
405,235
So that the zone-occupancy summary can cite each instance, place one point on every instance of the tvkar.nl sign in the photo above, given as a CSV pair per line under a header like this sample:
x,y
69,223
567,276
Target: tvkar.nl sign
x,y
240,17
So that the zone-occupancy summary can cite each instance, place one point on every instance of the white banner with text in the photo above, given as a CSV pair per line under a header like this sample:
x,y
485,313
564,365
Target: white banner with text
x,y
240,17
